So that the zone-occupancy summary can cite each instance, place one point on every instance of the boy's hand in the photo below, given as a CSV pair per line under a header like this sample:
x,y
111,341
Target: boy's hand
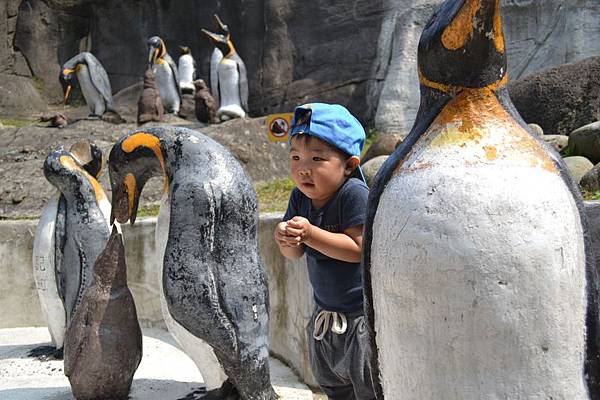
x,y
283,238
299,228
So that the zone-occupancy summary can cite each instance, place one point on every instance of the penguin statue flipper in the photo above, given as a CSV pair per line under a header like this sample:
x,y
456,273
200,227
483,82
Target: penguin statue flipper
x,y
243,83
215,59
60,238
99,79
174,68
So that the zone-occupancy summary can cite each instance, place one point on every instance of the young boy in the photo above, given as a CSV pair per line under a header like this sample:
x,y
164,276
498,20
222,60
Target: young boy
x,y
325,218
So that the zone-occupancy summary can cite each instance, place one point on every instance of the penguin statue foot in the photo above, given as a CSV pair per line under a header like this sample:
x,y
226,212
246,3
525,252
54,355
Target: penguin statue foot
x,y
93,117
46,353
226,392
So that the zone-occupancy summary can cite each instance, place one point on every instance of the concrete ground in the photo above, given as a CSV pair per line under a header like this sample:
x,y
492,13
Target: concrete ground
x,y
165,372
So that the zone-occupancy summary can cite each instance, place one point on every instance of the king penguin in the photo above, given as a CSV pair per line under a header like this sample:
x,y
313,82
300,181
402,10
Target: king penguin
x,y
187,70
479,277
229,76
93,81
214,284
166,73
49,246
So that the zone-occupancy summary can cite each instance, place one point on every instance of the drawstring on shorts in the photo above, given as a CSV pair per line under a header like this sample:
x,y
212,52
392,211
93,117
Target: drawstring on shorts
x,y
338,322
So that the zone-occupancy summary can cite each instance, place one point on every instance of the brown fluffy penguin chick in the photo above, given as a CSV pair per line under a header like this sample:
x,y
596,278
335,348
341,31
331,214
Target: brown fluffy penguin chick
x,y
150,107
103,342
206,106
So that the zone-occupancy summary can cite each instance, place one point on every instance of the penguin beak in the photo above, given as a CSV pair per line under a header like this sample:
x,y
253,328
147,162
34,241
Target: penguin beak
x,y
152,55
125,201
67,93
213,36
220,23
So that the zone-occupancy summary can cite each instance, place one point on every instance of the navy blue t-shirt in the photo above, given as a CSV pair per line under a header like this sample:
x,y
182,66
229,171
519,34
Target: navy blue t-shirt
x,y
337,284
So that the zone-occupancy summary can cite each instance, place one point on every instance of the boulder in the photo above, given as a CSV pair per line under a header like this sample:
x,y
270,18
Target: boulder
x,y
591,180
578,166
585,142
18,97
559,142
371,167
562,98
383,145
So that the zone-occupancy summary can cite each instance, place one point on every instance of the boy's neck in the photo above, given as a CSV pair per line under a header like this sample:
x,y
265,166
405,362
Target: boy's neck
x,y
320,203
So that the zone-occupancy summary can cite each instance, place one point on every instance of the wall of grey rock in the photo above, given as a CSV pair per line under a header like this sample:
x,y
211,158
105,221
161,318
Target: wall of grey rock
x,y
290,297
361,53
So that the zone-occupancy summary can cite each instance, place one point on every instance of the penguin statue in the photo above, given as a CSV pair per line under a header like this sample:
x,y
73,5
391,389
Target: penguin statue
x,y
214,284
93,81
215,59
229,77
166,73
479,277
103,345
205,105
187,70
51,235
150,107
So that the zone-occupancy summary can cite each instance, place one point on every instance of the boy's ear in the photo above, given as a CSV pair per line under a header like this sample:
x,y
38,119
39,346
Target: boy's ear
x,y
351,164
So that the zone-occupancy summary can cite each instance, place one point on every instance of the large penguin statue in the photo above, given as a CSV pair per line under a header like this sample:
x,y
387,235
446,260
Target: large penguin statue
x,y
229,76
214,284
93,81
167,76
479,278
215,58
51,235
103,345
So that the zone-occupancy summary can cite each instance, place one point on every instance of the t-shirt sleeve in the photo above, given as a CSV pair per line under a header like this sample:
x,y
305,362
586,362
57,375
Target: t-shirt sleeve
x,y
353,205
293,205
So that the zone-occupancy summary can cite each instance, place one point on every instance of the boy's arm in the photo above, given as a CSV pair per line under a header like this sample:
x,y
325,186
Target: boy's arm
x,y
345,246
289,246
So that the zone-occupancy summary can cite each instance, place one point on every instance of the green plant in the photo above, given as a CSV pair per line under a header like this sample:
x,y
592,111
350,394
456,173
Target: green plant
x,y
273,195
587,195
371,135
148,211
38,84
17,123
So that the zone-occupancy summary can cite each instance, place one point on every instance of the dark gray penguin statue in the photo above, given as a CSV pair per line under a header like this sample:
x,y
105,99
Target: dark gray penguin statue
x,y
214,284
93,81
479,275
61,251
103,344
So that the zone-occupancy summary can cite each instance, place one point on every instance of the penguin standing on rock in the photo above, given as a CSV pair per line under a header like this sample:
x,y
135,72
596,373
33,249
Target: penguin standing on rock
x,y
166,73
205,105
72,231
229,76
93,80
187,70
478,265
150,107
103,345
214,284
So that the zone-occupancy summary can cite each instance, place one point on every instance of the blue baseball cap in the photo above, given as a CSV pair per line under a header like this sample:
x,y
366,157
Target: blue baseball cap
x,y
332,123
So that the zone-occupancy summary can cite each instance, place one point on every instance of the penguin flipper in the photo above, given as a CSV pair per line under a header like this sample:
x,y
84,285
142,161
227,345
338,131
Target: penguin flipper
x,y
215,59
100,79
243,83
60,238
175,71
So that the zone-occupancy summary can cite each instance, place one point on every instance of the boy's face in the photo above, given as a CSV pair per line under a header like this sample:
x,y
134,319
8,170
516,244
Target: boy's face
x,y
317,168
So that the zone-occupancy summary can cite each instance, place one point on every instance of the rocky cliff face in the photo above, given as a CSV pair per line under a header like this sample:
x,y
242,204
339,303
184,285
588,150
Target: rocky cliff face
x,y
361,53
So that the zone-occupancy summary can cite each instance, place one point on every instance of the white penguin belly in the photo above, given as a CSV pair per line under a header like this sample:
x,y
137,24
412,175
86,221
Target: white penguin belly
x,y
44,273
186,72
229,90
478,271
166,85
92,96
197,349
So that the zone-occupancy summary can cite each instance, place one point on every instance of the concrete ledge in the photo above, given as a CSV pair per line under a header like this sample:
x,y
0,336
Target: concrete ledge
x,y
290,293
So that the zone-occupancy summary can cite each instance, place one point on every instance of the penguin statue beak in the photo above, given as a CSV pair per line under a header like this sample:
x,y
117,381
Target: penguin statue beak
x,y
125,201
220,23
67,93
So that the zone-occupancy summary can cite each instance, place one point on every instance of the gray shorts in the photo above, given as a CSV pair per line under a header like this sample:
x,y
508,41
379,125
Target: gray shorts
x,y
341,362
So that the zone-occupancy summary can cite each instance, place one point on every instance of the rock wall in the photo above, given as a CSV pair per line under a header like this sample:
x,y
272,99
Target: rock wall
x,y
361,53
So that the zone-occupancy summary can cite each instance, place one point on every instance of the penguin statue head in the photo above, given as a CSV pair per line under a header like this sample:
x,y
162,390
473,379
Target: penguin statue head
x,y
67,80
156,50
89,156
184,50
462,46
66,173
133,160
222,42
